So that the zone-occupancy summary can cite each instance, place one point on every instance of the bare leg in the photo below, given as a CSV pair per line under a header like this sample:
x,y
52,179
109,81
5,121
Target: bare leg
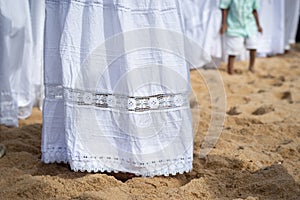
x,y
230,64
252,59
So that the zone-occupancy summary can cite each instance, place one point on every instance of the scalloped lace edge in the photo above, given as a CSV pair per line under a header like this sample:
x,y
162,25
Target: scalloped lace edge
x,y
91,166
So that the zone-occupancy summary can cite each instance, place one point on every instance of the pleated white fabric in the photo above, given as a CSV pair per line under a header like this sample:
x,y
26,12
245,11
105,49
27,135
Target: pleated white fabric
x,y
273,22
117,90
211,18
21,58
202,23
292,11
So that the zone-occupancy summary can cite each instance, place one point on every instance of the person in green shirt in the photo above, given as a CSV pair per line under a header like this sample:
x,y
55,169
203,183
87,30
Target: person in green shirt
x,y
240,23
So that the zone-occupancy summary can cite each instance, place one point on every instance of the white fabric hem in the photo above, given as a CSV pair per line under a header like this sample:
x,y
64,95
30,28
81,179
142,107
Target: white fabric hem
x,y
55,156
163,168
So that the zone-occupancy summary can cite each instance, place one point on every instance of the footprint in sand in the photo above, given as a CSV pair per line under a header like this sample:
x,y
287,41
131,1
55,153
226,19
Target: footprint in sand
x,y
2,150
268,76
287,96
294,67
281,78
263,110
233,111
280,81
238,71
261,91
278,84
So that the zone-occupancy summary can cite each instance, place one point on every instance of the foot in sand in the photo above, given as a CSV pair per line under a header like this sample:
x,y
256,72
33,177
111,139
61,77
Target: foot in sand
x,y
251,69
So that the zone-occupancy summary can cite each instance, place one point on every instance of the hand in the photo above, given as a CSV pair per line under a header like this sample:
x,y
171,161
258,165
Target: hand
x,y
260,30
223,29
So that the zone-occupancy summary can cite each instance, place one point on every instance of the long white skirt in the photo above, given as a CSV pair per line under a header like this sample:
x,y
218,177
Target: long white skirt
x,y
202,21
21,58
292,11
271,15
117,90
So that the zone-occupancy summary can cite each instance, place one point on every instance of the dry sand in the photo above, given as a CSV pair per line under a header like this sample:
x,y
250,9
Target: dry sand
x,y
256,157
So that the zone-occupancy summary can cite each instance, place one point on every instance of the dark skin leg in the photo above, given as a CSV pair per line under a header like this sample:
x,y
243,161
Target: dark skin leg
x,y
230,64
252,59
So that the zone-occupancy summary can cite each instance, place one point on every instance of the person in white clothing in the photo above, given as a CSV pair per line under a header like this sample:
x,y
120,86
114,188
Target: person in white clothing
x,y
202,22
292,11
21,58
115,100
272,19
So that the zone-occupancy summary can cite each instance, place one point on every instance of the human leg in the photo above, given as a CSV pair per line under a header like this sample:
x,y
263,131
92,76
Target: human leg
x,y
251,45
234,47
252,59
230,64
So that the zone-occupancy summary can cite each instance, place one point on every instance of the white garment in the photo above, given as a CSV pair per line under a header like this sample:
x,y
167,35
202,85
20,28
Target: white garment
x,y
19,71
271,15
235,45
202,23
212,18
132,116
291,21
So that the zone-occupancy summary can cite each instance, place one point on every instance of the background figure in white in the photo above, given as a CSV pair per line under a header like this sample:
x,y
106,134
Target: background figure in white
x,y
202,21
118,104
192,21
37,14
272,15
21,39
292,11
211,19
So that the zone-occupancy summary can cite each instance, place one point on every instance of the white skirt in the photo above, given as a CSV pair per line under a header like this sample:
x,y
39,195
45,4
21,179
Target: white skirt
x,y
117,87
292,11
21,58
271,42
202,24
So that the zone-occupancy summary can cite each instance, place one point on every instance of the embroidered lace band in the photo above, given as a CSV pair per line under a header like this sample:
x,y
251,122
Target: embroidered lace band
x,y
122,102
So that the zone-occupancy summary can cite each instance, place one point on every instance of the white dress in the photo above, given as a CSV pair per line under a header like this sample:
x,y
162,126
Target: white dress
x,y
211,18
292,11
117,90
202,23
20,58
271,15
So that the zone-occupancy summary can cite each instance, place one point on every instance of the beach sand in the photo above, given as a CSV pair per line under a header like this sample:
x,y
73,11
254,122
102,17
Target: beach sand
x,y
256,157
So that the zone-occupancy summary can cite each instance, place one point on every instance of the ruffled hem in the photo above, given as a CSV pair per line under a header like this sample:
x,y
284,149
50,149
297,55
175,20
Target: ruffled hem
x,y
166,173
8,110
9,121
149,172
160,168
58,156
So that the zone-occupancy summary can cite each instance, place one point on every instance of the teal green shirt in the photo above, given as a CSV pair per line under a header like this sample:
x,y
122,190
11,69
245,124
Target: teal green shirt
x,y
240,20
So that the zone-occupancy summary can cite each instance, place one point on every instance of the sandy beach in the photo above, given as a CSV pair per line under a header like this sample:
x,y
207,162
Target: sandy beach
x,y
256,157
